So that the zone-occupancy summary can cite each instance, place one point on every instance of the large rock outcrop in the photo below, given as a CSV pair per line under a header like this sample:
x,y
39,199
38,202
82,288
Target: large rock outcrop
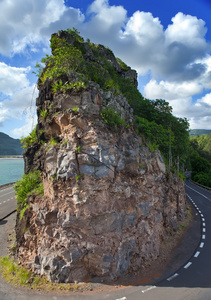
x,y
108,202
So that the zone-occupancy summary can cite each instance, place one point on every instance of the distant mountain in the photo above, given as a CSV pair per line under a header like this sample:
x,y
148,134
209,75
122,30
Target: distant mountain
x,y
194,132
9,146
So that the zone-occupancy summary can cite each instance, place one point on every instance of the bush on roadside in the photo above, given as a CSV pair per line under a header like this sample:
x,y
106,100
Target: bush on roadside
x,y
30,183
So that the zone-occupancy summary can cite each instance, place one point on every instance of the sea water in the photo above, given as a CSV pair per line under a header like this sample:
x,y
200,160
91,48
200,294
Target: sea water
x,y
11,170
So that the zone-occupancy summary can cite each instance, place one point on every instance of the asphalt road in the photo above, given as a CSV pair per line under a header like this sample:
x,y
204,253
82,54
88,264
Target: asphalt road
x,y
192,281
8,202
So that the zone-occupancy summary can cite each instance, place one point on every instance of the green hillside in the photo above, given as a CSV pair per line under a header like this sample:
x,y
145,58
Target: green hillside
x,y
9,146
195,132
200,159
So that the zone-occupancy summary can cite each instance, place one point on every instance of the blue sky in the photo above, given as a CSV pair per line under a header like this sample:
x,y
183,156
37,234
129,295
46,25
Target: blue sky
x,y
167,42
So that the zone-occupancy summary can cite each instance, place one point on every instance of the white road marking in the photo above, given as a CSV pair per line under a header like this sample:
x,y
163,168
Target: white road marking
x,y
123,298
7,194
203,224
172,277
203,219
204,229
197,254
201,245
148,289
203,237
188,265
198,192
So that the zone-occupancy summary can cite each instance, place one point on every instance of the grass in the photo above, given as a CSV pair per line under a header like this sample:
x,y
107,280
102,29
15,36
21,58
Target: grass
x,y
20,276
13,273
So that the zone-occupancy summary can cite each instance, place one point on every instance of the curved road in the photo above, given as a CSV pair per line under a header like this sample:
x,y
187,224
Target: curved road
x,y
191,282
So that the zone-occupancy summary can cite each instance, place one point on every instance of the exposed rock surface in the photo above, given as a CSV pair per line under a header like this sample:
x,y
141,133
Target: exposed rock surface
x,y
108,202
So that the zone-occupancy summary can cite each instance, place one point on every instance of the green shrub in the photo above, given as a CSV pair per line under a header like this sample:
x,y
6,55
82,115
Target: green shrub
x,y
65,58
123,65
78,177
44,114
202,178
64,143
75,109
58,86
112,118
30,139
30,183
53,142
78,149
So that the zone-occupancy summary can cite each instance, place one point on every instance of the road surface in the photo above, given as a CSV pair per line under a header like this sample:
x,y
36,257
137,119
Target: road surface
x,y
8,202
191,282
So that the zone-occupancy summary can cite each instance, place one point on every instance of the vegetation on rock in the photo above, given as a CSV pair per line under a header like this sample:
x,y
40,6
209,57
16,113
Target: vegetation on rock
x,y
153,119
30,183
200,159
30,139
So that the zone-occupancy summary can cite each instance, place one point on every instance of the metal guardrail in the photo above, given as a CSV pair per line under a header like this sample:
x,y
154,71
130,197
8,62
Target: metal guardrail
x,y
203,186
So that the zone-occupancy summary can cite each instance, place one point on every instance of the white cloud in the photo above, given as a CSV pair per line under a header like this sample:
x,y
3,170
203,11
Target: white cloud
x,y
176,57
106,16
140,39
206,100
22,102
23,20
188,30
24,130
171,90
12,78
198,113
4,114
202,123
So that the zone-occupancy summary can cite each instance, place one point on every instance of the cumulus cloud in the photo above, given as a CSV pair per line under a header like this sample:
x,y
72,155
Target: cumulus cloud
x,y
176,57
12,78
171,90
23,20
24,130
22,101
140,39
4,114
17,97
20,106
199,113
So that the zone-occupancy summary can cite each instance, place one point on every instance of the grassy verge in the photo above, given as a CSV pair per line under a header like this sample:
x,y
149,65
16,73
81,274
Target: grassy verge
x,y
20,276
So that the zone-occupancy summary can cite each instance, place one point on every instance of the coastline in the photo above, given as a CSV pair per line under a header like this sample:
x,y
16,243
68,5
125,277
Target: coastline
x,y
6,185
11,157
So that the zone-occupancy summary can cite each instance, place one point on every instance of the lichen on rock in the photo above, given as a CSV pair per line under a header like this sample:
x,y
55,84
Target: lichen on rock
x,y
108,202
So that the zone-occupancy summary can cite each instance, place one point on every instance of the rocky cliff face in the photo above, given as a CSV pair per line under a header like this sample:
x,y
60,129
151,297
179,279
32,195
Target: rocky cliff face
x,y
108,202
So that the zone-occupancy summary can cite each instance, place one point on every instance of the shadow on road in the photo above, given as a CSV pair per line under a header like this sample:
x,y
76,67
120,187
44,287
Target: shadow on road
x,y
3,222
